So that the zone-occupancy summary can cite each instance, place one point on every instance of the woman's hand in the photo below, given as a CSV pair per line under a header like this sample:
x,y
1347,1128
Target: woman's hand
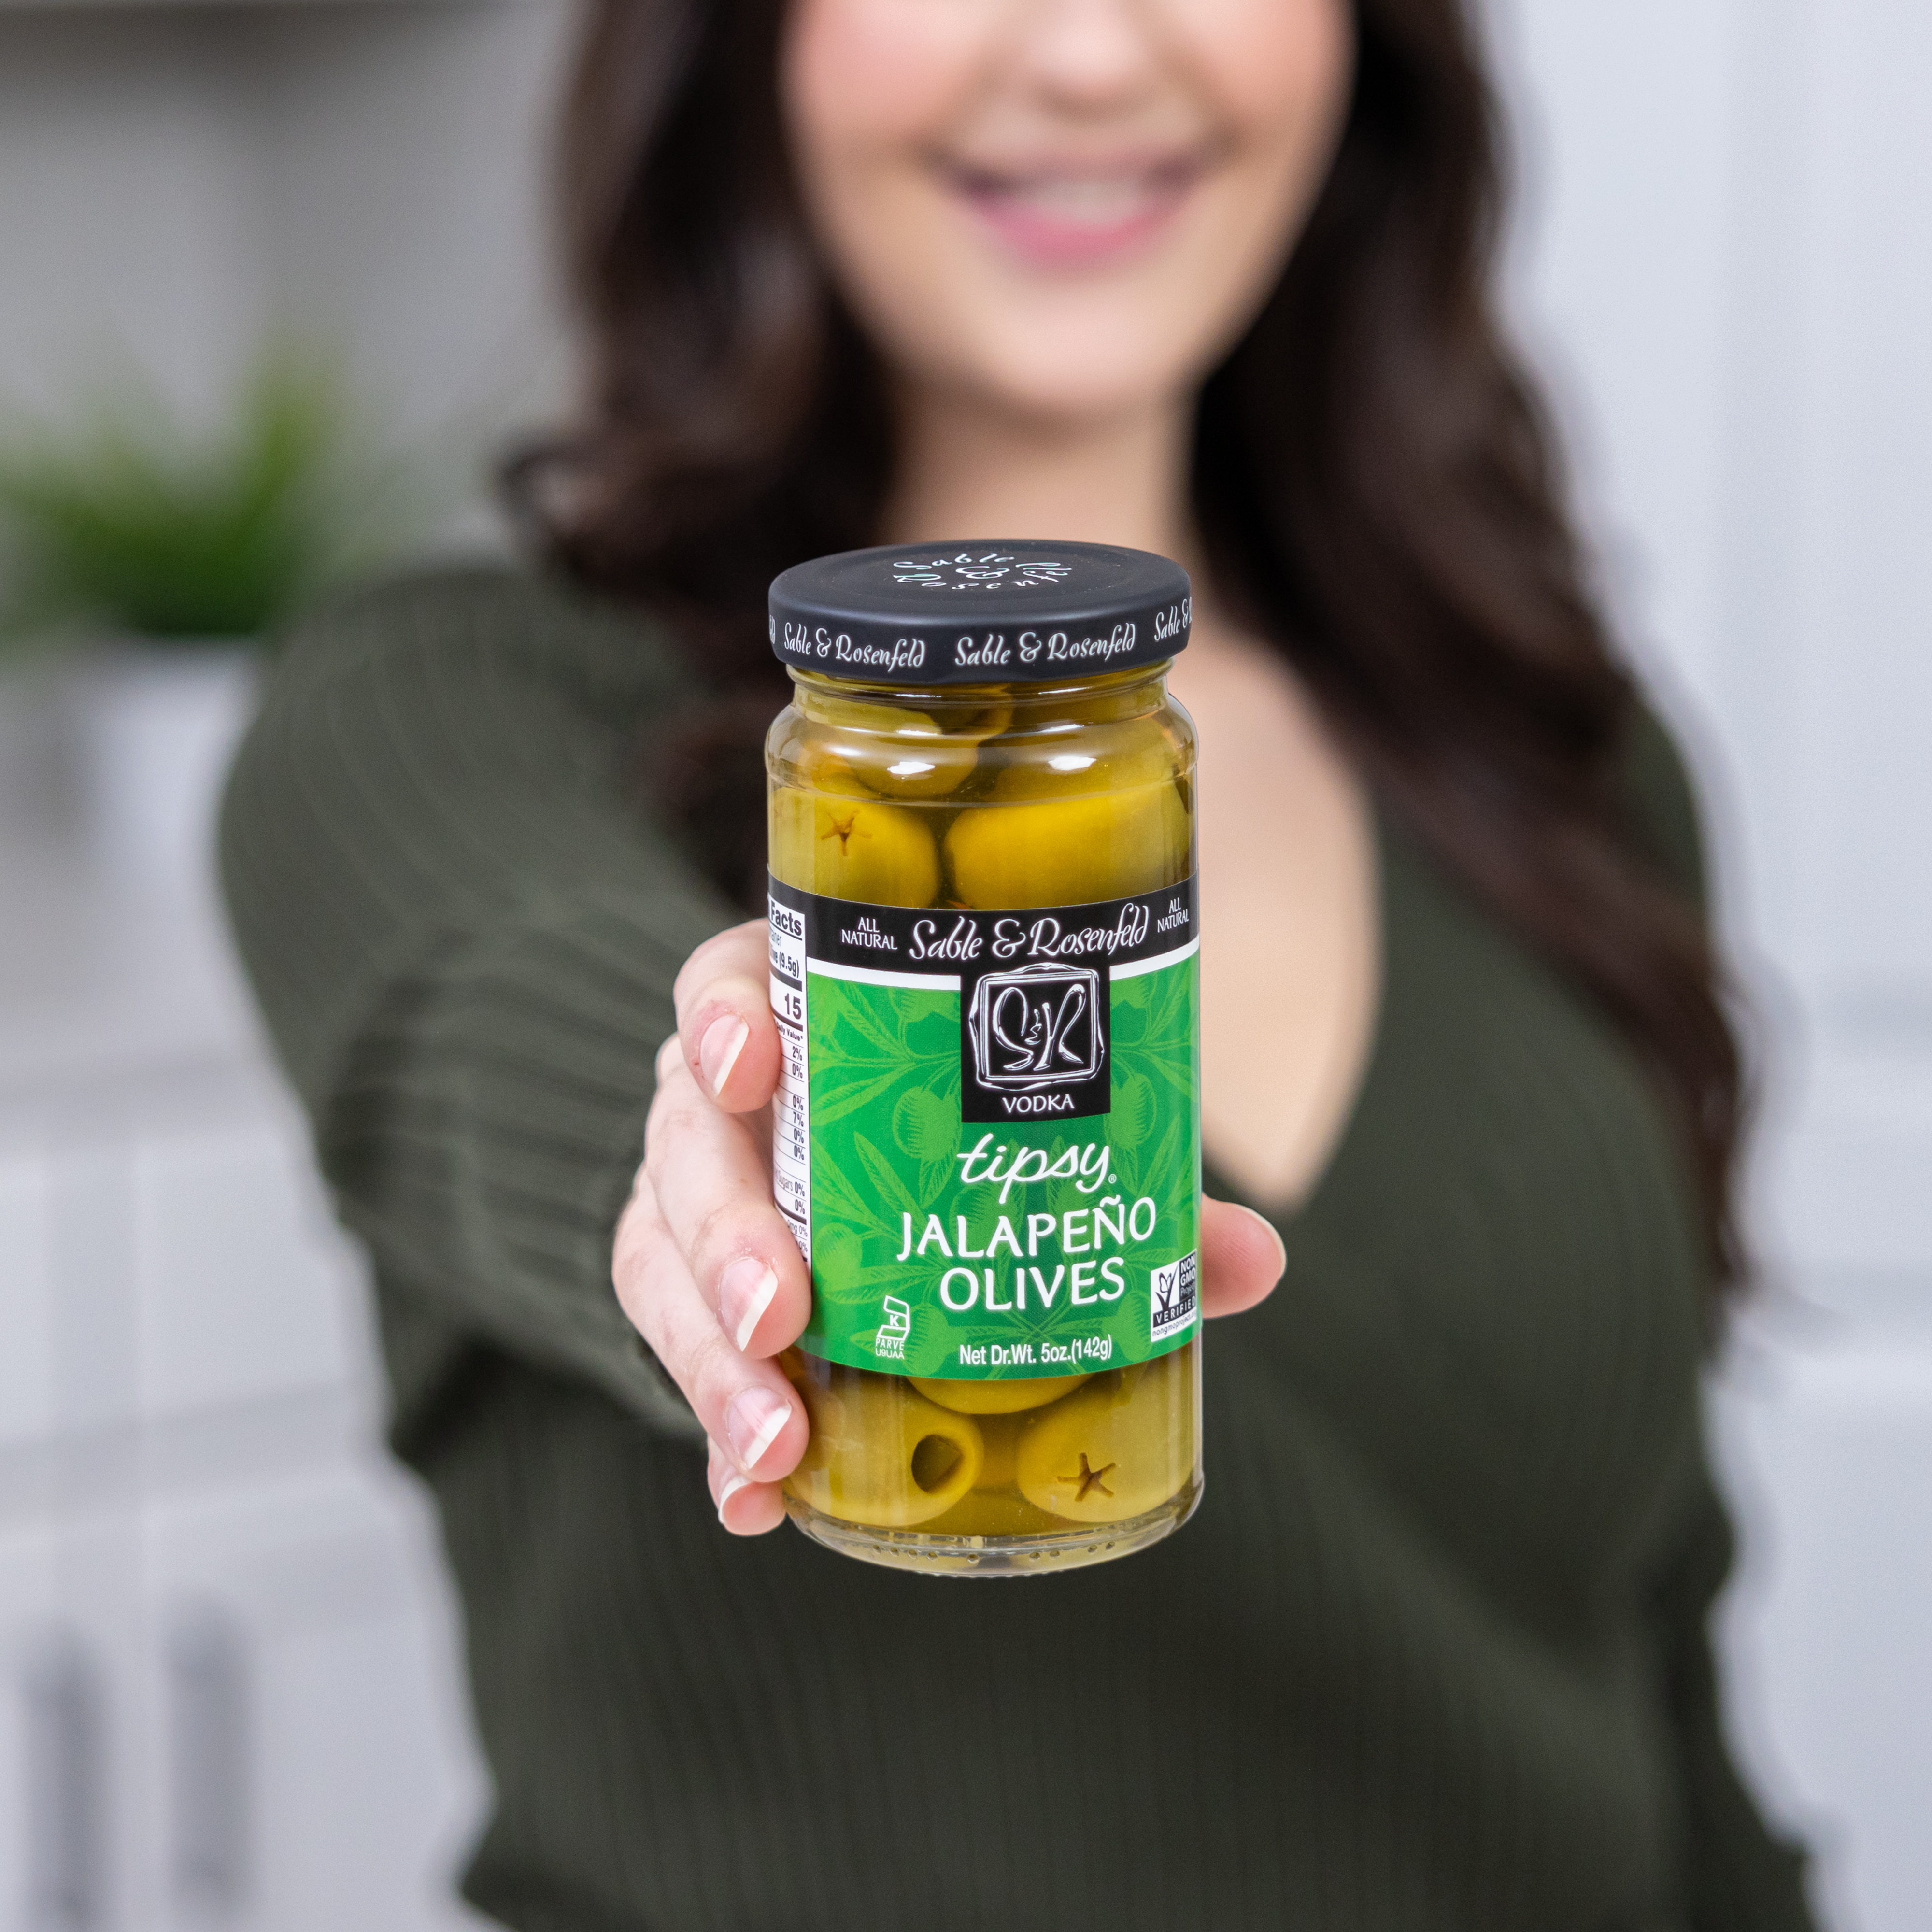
x,y
705,1265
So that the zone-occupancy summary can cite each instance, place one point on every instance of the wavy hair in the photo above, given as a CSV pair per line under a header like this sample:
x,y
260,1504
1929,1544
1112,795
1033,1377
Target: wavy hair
x,y
1373,477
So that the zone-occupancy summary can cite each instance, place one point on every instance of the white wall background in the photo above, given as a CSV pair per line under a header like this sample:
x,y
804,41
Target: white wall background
x,y
1722,257
177,179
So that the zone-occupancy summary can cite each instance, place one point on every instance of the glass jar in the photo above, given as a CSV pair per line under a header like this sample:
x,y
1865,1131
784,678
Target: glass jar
x,y
984,971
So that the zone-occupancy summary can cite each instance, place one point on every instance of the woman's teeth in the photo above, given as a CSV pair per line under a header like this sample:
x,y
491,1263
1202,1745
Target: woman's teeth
x,y
1080,201
1097,203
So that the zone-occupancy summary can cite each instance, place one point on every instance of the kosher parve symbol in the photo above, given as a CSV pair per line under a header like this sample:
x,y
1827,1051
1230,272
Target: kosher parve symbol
x,y
1037,1027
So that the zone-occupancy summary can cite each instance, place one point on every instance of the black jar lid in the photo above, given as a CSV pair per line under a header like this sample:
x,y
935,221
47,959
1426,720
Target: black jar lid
x,y
980,613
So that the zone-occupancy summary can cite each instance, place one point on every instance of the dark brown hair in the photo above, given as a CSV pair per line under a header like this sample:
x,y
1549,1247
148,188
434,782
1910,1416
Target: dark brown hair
x,y
1373,477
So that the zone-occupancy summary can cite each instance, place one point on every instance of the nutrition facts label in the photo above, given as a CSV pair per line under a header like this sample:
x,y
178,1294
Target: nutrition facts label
x,y
791,1106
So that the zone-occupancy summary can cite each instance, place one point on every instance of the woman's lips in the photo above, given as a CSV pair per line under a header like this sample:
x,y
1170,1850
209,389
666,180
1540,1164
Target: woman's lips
x,y
1069,220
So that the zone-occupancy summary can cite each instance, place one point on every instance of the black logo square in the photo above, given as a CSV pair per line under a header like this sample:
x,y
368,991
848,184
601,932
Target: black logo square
x,y
1033,1044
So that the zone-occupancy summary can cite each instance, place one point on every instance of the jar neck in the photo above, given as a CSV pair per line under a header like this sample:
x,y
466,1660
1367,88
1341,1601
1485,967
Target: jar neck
x,y
1109,695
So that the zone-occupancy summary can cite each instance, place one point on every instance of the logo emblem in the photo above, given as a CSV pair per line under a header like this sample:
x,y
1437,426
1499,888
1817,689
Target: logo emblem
x,y
1035,1044
978,570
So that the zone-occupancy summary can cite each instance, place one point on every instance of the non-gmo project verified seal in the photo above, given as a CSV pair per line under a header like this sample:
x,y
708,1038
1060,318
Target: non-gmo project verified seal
x,y
1171,1298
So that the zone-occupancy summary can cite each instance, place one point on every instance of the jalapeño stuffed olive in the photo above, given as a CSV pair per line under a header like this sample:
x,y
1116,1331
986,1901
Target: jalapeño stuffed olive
x,y
987,1133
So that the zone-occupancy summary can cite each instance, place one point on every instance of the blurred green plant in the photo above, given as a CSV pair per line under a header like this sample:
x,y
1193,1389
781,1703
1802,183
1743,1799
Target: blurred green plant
x,y
128,522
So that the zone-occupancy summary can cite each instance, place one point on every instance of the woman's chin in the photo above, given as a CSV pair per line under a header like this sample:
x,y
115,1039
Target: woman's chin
x,y
1079,375
1117,344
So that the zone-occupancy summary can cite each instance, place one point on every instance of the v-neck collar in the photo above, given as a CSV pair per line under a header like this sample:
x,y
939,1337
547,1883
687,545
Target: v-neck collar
x,y
1389,851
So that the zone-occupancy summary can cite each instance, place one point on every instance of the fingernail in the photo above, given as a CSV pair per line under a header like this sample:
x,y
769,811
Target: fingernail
x,y
745,1292
718,1052
752,1423
732,1484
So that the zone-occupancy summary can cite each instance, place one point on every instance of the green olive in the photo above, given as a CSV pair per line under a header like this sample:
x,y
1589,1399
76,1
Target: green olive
x,y
899,753
852,848
922,768
1069,851
979,722
896,753
816,769
994,1508
996,1398
1118,1448
969,722
881,1453
1099,761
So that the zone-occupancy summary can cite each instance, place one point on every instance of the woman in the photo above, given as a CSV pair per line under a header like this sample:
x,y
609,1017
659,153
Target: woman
x,y
1209,278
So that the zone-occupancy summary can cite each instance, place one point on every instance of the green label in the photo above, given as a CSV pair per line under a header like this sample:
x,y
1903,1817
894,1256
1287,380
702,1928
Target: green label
x,y
987,1133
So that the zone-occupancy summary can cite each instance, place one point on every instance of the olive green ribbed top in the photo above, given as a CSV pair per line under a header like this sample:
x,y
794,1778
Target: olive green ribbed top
x,y
1433,1653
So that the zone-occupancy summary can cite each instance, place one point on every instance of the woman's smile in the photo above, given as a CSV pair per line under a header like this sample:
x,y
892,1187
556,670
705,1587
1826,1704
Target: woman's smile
x,y
1064,213
1078,214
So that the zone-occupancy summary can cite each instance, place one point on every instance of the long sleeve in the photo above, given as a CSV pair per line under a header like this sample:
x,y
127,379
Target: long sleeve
x,y
463,932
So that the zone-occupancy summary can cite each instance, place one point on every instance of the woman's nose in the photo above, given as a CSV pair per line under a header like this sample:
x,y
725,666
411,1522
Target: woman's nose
x,y
1087,53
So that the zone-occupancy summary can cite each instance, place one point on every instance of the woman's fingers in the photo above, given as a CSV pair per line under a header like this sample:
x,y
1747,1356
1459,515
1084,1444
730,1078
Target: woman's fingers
x,y
705,1266
1242,1258
708,1172
747,1408
745,1507
726,1034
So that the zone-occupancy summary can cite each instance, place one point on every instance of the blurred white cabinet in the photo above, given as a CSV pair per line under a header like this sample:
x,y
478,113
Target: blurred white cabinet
x,y
230,1691
242,1292
295,1645
1830,1455
27,1397
48,1833
233,1708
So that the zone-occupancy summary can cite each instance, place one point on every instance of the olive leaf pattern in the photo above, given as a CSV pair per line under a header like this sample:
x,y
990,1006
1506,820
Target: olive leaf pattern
x,y
925,1124
857,1095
